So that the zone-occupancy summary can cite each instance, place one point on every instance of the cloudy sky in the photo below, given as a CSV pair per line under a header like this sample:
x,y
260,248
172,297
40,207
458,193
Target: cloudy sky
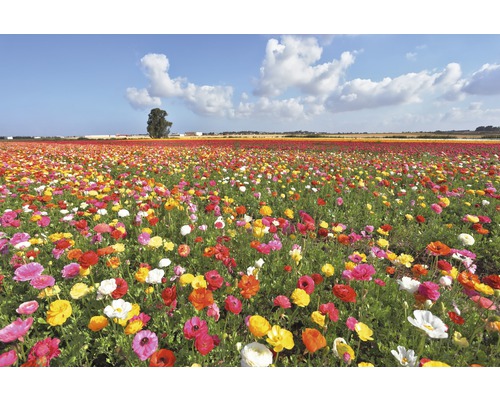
x,y
94,83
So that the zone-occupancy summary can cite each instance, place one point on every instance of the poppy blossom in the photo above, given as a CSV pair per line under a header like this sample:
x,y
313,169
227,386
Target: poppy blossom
x,y
438,249
313,340
345,293
162,358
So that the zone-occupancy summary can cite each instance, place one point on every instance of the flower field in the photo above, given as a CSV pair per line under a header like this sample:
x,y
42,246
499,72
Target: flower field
x,y
249,252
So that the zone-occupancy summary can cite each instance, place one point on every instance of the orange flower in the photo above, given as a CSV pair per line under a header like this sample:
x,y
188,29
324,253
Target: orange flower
x,y
74,254
209,251
419,270
241,210
313,340
183,250
105,251
249,286
201,298
438,248
343,239
113,262
468,279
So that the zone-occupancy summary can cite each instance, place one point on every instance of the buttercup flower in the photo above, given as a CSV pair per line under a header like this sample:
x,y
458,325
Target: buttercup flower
x,y
363,331
145,344
15,330
97,323
300,297
280,339
313,340
256,355
258,326
162,358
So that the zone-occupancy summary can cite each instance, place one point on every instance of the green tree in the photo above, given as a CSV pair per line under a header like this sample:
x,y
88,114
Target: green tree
x,y
158,126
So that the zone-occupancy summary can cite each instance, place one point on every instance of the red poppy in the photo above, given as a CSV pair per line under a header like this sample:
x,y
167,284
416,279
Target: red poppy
x,y
249,286
169,295
88,259
386,227
420,219
457,319
214,280
317,278
492,281
345,293
121,288
183,250
444,265
438,249
162,358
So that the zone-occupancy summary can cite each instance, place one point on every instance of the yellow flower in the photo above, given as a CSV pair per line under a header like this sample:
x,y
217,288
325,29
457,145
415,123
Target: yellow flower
x,y
141,274
118,247
369,207
365,364
349,265
149,290
363,331
404,259
382,243
199,282
79,290
323,224
59,312
186,279
97,323
328,269
168,246
258,326
435,364
265,211
147,230
382,232
318,318
459,340
49,292
483,288
472,218
280,339
445,201
134,327
85,271
300,297
155,242
409,217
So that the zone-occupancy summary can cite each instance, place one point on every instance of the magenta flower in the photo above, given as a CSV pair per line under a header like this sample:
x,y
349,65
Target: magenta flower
x,y
306,283
429,290
8,358
330,310
351,323
44,351
213,311
194,327
15,330
28,271
70,271
282,301
19,237
363,272
145,343
144,238
204,343
28,307
436,208
42,281
233,304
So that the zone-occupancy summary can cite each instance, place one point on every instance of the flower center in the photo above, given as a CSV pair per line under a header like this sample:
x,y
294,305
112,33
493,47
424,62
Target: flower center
x,y
429,327
144,341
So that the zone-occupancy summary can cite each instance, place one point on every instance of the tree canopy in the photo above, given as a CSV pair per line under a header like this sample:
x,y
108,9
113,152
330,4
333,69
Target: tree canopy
x,y
158,126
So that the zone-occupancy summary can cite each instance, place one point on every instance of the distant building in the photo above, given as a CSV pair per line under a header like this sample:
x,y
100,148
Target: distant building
x,y
194,133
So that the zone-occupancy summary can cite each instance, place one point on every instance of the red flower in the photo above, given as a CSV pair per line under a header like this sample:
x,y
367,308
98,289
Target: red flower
x,y
420,219
162,358
233,304
214,280
183,250
121,288
306,283
204,343
444,265
492,281
249,286
88,259
386,228
169,295
330,310
317,278
345,293
457,319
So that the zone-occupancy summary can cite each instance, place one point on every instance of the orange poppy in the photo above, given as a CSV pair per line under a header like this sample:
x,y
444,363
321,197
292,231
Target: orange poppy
x,y
201,298
105,251
313,340
74,254
162,358
438,249
343,239
468,280
209,251
249,286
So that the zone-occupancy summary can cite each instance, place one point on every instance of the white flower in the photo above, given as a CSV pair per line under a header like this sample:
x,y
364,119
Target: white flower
x,y
106,287
118,309
22,245
64,212
446,280
242,189
405,357
466,239
155,275
185,230
408,284
102,211
164,262
259,263
429,323
123,213
256,355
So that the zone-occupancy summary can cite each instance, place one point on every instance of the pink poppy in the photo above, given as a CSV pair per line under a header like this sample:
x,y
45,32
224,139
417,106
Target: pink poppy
x,y
483,302
19,237
194,327
351,323
145,344
363,272
282,301
429,290
331,310
204,343
436,208
70,270
42,281
15,330
44,351
144,238
213,311
233,304
28,307
28,271
306,283
103,228
8,358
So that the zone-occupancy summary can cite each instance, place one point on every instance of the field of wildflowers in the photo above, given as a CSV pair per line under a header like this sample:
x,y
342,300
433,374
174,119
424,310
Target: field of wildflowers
x,y
236,252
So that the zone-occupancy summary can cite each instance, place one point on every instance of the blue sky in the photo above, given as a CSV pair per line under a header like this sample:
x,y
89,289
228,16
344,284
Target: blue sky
x,y
93,83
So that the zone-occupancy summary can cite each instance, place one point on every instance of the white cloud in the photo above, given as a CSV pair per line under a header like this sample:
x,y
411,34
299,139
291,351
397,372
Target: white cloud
x,y
290,64
140,99
451,83
486,81
473,114
411,56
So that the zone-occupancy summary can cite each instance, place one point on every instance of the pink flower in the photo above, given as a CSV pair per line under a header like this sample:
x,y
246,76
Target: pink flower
x,y
28,271
306,283
145,344
331,310
363,272
214,280
144,238
8,358
213,311
44,351
351,323
15,330
233,304
483,302
19,237
71,270
204,343
28,307
340,201
436,208
42,281
194,327
429,290
282,301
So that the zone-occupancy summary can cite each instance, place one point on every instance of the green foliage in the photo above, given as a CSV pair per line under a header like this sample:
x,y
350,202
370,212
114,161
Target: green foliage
x,y
158,126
